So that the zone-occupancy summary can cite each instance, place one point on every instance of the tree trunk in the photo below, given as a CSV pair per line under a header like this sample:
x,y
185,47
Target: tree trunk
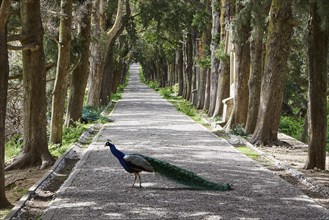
x,y
187,66
80,74
108,76
207,91
277,51
4,66
107,84
242,60
215,35
317,92
206,40
256,63
101,51
62,72
201,87
179,70
254,82
34,82
94,82
223,86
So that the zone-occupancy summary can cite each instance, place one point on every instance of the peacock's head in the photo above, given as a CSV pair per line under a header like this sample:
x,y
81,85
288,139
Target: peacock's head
x,y
109,144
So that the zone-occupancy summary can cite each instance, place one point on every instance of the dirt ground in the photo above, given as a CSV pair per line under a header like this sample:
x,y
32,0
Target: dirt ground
x,y
18,183
294,154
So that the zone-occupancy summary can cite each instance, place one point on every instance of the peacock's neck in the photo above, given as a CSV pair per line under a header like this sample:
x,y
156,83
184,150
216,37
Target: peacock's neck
x,y
118,154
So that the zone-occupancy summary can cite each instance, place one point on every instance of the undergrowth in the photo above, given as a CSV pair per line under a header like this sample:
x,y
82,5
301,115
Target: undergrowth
x,y
14,144
248,152
182,105
70,135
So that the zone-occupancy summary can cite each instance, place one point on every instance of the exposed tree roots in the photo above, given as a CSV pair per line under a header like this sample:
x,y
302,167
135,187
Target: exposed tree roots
x,y
28,159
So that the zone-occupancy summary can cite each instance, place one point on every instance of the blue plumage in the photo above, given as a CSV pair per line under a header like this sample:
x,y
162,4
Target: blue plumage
x,y
132,163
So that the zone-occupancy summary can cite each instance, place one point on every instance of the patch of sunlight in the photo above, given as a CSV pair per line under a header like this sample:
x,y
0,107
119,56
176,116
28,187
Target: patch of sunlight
x,y
213,217
199,213
248,152
144,211
118,215
78,204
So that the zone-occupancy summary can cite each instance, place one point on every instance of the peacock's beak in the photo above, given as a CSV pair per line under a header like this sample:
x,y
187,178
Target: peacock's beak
x,y
108,142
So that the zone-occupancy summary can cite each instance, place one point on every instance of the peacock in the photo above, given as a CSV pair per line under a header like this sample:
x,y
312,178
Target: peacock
x,y
136,163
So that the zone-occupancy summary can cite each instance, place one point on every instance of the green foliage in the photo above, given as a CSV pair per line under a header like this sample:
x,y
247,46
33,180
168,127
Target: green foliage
x,y
220,53
201,20
239,130
166,92
241,21
248,152
323,8
180,103
13,146
170,93
204,61
153,85
183,176
292,126
297,75
118,94
186,107
70,136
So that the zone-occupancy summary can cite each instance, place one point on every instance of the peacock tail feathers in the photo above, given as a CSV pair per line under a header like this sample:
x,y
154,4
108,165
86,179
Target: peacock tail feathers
x,y
183,176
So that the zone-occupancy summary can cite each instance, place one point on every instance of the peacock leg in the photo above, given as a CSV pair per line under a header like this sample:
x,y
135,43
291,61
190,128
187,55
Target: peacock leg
x,y
134,180
140,181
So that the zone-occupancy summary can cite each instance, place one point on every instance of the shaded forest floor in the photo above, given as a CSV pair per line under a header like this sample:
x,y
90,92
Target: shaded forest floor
x,y
294,154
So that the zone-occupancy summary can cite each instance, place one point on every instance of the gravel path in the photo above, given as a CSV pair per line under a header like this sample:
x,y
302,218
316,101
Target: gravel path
x,y
146,123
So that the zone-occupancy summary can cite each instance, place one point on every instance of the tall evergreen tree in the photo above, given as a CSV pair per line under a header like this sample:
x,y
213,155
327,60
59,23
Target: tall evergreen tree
x,y
4,66
223,85
35,149
215,35
100,53
62,72
241,34
318,41
277,51
259,11
80,74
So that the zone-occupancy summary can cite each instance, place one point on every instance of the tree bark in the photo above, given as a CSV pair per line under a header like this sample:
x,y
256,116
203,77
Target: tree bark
x,y
207,91
215,37
94,82
223,86
107,82
206,40
201,88
256,61
179,70
34,82
277,51
242,60
4,66
317,92
96,77
187,67
62,72
80,74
